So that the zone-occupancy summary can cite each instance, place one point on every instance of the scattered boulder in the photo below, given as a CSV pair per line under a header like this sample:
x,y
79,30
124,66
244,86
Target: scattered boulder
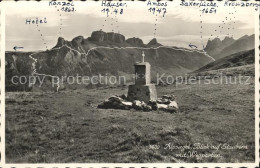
x,y
162,107
163,101
137,105
166,103
173,104
170,97
166,99
123,96
173,107
116,102
147,108
153,104
127,105
141,105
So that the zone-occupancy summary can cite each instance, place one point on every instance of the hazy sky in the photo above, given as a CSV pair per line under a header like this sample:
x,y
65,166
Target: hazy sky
x,y
180,26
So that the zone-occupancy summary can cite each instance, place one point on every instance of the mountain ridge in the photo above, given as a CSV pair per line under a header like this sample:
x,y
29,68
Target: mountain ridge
x,y
104,53
221,48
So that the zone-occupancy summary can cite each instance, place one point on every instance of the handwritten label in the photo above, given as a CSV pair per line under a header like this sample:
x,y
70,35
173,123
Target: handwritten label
x,y
197,150
243,4
211,7
113,4
63,6
157,8
113,7
209,10
54,3
207,7
199,4
35,21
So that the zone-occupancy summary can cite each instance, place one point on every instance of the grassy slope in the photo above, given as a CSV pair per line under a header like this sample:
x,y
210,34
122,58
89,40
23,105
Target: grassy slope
x,y
234,60
67,126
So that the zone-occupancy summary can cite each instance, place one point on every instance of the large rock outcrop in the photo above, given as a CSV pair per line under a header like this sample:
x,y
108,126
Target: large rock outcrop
x,y
135,41
101,36
77,41
61,41
98,36
214,46
115,37
153,42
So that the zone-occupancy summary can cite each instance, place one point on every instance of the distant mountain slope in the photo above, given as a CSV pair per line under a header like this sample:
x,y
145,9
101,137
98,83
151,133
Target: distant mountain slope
x,y
219,49
234,60
105,53
242,44
216,45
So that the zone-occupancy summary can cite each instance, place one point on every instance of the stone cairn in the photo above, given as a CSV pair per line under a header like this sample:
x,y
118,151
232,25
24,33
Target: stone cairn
x,y
142,95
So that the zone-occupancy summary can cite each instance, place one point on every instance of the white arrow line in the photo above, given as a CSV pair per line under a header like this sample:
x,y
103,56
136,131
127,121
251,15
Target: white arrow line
x,y
112,48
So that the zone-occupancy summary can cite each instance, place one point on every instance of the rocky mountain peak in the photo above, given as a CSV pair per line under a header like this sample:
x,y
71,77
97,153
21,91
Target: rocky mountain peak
x,y
60,42
215,41
101,36
227,41
215,45
115,37
153,42
98,36
135,41
244,37
78,40
228,46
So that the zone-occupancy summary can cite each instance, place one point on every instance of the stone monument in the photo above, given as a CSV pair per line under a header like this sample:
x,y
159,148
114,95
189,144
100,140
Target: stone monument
x,y
142,90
